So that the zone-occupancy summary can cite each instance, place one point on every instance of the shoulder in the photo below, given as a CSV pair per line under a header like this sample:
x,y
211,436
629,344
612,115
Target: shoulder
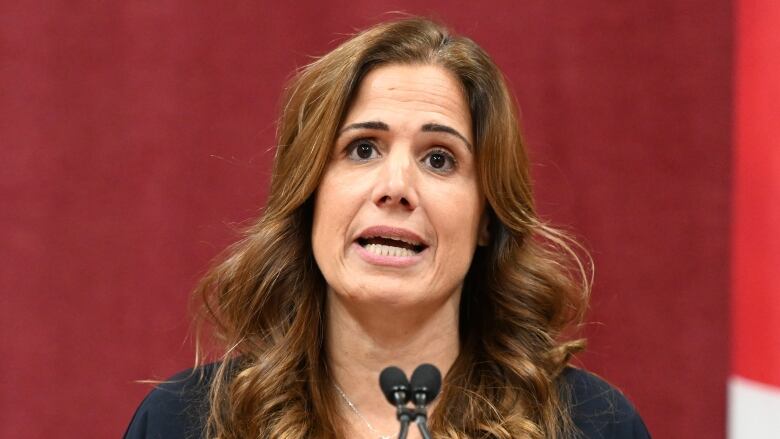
x,y
599,410
176,408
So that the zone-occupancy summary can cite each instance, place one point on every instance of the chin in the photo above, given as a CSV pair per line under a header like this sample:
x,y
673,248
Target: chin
x,y
382,295
396,293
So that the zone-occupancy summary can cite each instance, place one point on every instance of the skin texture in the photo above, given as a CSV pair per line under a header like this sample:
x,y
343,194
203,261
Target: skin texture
x,y
410,173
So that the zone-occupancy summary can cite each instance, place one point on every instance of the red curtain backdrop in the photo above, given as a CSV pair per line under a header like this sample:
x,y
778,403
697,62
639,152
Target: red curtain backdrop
x,y
135,138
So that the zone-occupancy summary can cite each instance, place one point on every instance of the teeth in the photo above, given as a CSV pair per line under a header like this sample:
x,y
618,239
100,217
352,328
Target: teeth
x,y
389,250
395,238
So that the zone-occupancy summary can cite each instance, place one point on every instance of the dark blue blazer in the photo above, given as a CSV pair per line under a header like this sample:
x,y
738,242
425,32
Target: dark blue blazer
x,y
178,408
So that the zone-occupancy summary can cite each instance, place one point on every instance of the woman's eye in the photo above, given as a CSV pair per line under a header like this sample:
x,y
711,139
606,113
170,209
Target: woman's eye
x,y
440,161
362,150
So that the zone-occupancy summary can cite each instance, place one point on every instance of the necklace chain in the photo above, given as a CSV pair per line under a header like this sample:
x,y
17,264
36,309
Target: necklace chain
x,y
355,410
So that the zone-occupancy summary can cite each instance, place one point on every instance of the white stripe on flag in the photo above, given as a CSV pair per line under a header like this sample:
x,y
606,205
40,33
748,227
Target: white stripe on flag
x,y
754,409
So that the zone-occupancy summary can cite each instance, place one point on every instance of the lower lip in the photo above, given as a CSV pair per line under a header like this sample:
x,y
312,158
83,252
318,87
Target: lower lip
x,y
387,261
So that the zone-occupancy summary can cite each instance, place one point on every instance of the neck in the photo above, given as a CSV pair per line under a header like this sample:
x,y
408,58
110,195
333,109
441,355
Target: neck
x,y
362,339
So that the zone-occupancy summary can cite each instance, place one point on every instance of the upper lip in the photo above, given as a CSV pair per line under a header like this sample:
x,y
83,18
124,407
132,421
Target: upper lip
x,y
396,233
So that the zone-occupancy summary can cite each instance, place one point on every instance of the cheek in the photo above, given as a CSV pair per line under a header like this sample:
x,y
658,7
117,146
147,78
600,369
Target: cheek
x,y
334,207
458,214
320,224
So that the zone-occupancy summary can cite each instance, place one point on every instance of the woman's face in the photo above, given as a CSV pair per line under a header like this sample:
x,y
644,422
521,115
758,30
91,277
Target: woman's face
x,y
398,212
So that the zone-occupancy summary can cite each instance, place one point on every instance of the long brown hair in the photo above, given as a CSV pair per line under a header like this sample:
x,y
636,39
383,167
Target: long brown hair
x,y
267,297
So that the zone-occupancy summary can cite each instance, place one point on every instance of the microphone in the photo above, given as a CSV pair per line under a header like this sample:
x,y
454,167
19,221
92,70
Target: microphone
x,y
426,384
395,387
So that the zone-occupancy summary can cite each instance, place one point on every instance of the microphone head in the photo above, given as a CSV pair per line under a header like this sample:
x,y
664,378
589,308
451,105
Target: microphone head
x,y
426,379
393,381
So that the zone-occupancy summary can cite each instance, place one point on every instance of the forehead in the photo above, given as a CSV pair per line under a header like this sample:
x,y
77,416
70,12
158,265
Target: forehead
x,y
416,94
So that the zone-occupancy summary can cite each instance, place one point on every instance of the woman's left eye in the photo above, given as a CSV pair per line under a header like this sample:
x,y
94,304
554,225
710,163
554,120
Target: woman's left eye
x,y
440,161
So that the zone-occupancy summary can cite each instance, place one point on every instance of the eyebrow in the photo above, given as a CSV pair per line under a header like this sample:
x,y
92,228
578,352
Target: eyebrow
x,y
427,128
372,125
438,128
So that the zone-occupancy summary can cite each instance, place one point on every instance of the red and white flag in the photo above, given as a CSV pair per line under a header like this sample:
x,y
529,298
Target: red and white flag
x,y
754,387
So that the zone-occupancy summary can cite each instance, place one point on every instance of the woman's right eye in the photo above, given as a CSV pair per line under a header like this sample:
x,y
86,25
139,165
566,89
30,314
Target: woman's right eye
x,y
362,150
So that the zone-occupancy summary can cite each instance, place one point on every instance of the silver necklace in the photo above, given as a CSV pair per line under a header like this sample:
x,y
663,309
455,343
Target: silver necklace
x,y
355,410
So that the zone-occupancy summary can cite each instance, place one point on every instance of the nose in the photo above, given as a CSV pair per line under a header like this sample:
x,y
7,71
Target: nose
x,y
396,182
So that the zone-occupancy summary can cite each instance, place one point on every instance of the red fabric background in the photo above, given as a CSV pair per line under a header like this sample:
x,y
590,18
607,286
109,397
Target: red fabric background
x,y
135,135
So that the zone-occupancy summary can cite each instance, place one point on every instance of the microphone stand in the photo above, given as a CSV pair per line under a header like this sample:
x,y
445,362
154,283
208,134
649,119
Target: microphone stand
x,y
421,414
404,416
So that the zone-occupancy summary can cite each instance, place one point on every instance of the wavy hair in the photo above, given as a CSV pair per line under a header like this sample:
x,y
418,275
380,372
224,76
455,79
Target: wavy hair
x,y
523,290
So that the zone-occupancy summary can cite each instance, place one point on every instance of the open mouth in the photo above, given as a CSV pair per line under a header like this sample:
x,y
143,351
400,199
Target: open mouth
x,y
386,246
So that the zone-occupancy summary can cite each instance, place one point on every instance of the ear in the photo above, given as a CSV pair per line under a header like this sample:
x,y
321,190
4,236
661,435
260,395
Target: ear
x,y
483,236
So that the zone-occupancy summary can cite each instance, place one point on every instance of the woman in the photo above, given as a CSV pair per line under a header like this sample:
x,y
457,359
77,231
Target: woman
x,y
400,229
